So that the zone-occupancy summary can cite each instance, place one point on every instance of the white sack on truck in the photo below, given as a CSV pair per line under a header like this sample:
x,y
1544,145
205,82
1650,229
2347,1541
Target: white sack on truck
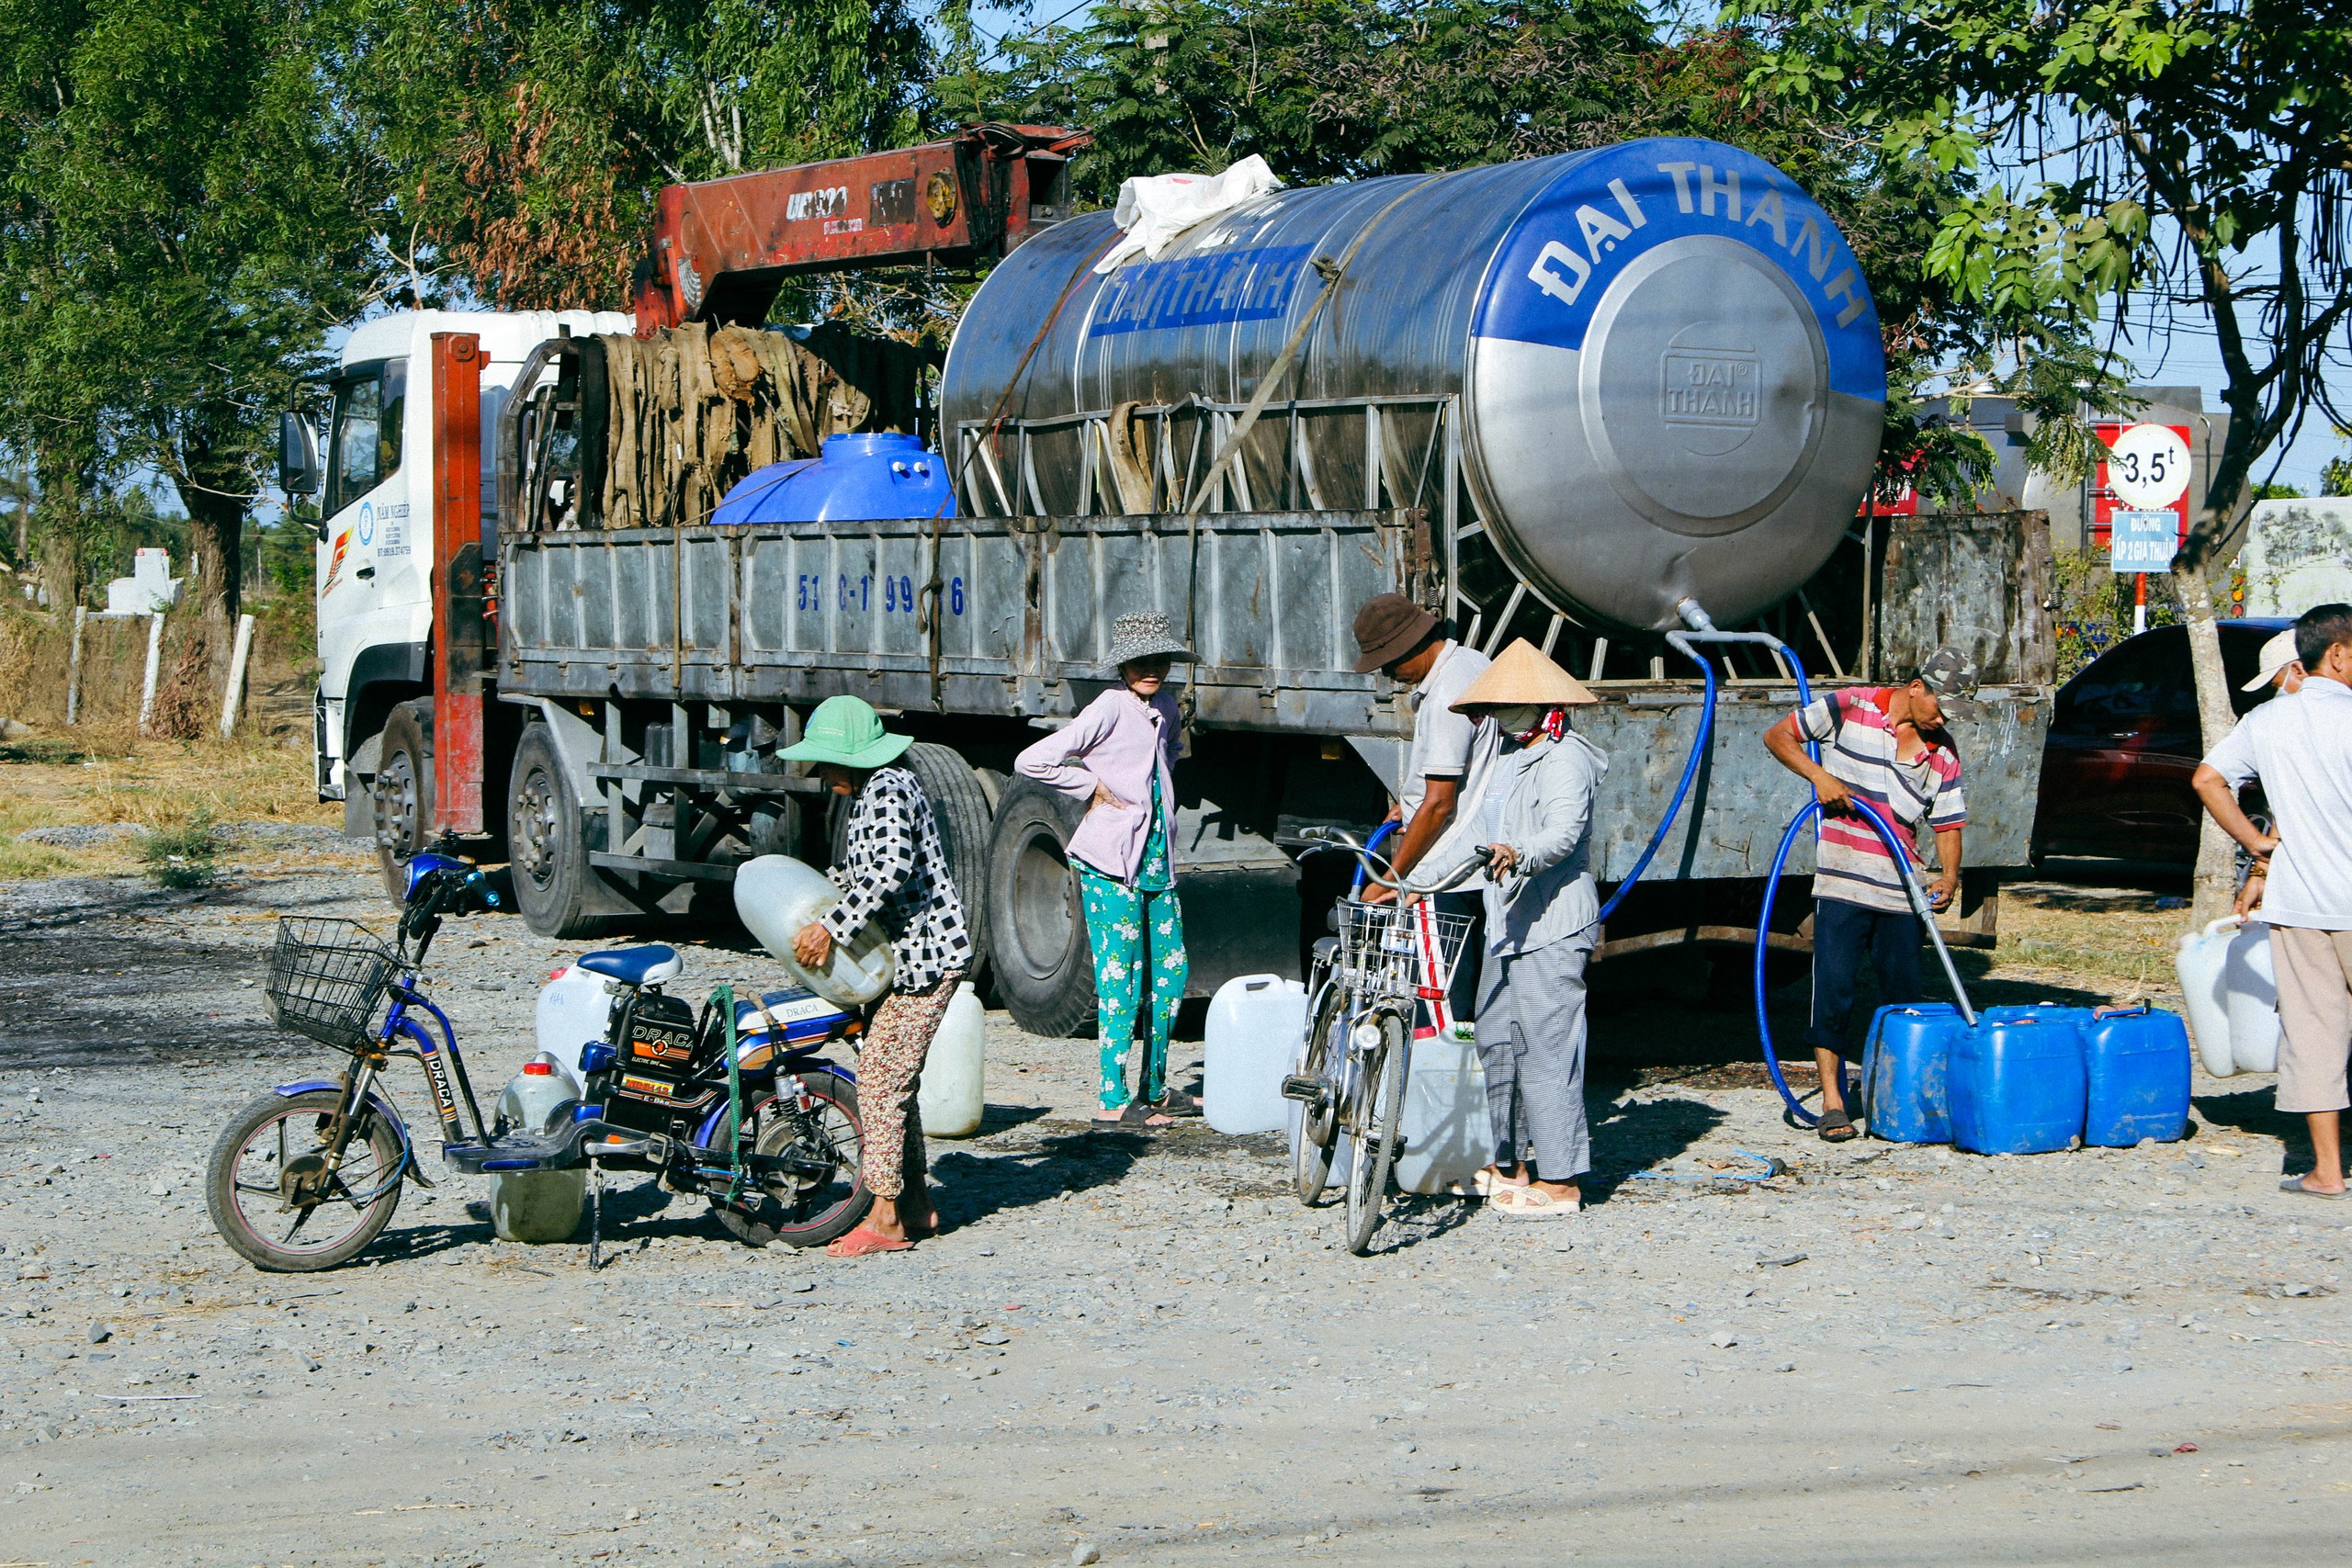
x,y
1155,208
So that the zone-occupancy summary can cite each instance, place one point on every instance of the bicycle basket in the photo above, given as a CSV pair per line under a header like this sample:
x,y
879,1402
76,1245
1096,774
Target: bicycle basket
x,y
1402,951
326,978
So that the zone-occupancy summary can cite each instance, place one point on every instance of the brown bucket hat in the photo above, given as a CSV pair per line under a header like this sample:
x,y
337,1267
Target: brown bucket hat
x,y
1388,627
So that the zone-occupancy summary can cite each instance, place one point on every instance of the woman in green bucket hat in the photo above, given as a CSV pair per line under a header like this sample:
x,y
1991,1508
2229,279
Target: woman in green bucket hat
x,y
893,871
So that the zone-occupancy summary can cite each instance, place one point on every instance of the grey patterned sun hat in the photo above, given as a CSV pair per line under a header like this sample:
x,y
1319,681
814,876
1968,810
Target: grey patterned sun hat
x,y
1145,635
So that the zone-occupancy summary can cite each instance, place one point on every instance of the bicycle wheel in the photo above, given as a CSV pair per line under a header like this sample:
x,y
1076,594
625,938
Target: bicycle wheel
x,y
1378,1129
825,1198
1318,1130
272,1198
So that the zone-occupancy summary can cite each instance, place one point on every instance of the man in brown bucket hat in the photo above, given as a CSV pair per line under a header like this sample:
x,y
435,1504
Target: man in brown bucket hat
x,y
1451,756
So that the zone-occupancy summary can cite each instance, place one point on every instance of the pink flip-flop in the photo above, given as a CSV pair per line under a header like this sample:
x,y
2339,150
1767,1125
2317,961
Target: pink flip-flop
x,y
863,1240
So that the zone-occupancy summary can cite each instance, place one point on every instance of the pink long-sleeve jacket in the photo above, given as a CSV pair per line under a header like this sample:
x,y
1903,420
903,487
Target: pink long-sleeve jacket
x,y
1116,741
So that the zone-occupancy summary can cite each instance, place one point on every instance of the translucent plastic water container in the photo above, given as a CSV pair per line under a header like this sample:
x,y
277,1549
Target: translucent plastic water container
x,y
536,1205
775,895
953,1095
2250,994
2136,1063
2199,965
575,1009
1254,1025
2017,1084
1905,1067
1447,1134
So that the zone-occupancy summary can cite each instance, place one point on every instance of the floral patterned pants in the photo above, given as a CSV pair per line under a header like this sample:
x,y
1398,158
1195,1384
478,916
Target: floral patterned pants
x,y
889,1072
1134,933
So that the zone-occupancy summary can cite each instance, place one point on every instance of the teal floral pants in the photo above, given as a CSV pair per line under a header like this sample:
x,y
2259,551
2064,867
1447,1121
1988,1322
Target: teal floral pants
x,y
1136,932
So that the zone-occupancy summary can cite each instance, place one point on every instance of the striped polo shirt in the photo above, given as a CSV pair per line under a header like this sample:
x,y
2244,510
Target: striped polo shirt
x,y
1858,746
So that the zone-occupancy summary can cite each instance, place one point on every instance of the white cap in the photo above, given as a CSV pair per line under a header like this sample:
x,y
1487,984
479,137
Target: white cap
x,y
2276,654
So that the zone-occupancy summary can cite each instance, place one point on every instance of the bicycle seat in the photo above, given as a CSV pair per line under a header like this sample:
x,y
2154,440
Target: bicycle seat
x,y
648,965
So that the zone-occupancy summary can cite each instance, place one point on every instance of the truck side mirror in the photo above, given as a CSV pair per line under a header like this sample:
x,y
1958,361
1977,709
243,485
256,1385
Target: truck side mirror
x,y
297,456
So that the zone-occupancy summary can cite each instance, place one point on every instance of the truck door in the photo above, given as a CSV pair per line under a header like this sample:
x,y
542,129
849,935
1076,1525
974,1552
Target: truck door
x,y
371,578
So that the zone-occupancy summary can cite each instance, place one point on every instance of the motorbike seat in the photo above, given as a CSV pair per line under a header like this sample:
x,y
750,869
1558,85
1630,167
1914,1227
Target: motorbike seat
x,y
646,965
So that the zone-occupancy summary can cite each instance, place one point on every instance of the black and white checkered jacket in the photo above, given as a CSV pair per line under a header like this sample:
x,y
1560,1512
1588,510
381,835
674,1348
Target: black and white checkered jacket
x,y
894,869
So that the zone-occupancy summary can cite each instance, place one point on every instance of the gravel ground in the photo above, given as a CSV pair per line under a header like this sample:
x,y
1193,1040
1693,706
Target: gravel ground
x,y
1134,1346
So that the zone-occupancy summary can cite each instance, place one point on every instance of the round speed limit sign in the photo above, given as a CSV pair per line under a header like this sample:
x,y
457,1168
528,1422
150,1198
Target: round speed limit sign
x,y
2148,468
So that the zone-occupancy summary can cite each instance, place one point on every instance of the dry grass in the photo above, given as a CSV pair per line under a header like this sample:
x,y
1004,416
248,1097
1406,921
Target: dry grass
x,y
2114,939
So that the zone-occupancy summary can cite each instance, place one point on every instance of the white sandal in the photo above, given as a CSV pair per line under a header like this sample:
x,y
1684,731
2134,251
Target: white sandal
x,y
1534,1203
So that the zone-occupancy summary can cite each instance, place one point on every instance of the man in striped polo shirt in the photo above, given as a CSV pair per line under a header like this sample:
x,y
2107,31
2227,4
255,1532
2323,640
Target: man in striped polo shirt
x,y
1886,745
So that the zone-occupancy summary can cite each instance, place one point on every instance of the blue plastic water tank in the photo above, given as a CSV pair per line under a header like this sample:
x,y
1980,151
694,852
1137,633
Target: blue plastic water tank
x,y
2136,1060
1904,1068
856,479
2017,1083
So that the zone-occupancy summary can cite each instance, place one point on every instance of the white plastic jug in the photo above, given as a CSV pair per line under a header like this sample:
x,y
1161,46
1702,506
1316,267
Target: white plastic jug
x,y
775,895
2199,965
575,1009
536,1205
2250,991
1447,1134
1254,1026
953,1095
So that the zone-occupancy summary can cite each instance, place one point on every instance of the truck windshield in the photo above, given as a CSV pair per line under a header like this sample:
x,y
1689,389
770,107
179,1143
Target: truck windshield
x,y
369,403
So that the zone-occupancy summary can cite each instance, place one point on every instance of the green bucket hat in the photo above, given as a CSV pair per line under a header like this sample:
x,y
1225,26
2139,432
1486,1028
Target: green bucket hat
x,y
846,731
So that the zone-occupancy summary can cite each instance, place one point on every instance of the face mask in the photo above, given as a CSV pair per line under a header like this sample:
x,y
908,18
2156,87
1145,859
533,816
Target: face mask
x,y
1519,717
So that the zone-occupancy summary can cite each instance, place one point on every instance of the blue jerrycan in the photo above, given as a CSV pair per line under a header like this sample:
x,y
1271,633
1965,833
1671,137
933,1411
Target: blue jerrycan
x,y
2136,1060
2016,1081
1904,1065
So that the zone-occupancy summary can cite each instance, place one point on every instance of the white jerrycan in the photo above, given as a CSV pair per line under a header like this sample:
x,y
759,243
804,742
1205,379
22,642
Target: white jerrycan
x,y
1448,1135
2250,992
536,1205
2199,965
775,895
953,1095
1254,1025
576,1009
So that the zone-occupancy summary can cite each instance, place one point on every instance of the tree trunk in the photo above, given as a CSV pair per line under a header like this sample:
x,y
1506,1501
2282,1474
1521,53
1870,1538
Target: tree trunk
x,y
2216,879
214,493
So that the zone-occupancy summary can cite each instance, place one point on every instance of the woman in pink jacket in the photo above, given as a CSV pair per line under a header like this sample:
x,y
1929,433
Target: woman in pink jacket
x,y
1117,755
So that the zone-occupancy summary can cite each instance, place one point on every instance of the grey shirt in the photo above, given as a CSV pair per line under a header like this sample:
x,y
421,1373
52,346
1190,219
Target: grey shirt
x,y
1448,745
1543,810
2301,747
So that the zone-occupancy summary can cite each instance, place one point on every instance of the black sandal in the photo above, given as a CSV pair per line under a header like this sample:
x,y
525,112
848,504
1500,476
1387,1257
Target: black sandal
x,y
1836,1127
1134,1113
1176,1102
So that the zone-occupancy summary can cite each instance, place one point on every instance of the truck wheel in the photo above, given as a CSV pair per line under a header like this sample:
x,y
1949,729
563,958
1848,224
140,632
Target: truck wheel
x,y
549,857
1036,926
402,793
960,806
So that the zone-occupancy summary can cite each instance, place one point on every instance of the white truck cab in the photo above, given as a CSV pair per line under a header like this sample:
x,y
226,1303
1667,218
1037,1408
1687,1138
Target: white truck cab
x,y
373,473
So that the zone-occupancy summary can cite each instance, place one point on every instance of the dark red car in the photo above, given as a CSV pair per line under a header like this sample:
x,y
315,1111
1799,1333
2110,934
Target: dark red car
x,y
2123,741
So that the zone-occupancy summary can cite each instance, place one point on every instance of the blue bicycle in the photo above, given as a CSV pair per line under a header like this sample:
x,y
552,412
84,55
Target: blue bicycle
x,y
734,1101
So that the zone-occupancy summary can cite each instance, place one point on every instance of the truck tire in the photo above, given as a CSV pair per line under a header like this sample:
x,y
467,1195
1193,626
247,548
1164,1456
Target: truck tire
x,y
1045,971
960,807
553,881
402,792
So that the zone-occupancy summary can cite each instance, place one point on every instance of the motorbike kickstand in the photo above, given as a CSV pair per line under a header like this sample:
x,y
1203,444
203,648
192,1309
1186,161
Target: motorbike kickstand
x,y
595,1211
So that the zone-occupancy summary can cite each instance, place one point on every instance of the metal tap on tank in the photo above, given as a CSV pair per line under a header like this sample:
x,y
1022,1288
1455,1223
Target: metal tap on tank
x,y
1662,358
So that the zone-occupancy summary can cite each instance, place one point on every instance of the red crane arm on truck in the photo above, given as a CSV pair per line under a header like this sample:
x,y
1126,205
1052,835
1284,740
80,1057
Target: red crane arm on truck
x,y
721,248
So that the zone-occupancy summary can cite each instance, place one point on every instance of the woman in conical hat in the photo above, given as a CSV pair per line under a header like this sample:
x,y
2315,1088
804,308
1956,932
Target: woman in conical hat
x,y
1536,819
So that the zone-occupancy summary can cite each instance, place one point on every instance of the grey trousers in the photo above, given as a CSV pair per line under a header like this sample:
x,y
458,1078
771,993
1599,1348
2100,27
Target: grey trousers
x,y
1530,1045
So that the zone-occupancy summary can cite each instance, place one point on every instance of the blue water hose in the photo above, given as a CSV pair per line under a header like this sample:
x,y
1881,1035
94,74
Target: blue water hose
x,y
1674,806
1379,836
1902,855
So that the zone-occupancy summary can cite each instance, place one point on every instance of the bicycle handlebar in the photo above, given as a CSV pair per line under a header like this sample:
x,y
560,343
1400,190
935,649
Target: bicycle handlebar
x,y
1314,839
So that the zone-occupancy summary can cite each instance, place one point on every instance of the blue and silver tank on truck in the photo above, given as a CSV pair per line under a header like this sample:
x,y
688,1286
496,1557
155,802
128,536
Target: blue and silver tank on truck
x,y
1560,399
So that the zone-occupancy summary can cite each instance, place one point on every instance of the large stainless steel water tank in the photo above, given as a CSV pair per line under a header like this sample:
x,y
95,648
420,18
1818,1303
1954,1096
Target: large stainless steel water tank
x,y
1668,365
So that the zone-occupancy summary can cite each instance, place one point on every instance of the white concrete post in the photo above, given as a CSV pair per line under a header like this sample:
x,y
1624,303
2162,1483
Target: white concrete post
x,y
74,667
236,693
154,655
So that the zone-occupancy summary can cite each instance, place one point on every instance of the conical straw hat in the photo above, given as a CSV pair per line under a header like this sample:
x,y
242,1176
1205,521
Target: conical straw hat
x,y
1525,675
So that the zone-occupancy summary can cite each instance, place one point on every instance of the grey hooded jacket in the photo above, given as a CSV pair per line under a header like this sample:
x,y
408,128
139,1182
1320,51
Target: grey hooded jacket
x,y
1541,797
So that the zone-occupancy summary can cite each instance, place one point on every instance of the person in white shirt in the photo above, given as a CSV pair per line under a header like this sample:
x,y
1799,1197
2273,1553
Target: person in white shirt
x,y
2282,669
2299,746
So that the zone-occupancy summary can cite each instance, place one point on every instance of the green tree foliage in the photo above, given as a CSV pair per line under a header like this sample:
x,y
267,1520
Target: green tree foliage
x,y
1346,89
524,140
2194,153
182,225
